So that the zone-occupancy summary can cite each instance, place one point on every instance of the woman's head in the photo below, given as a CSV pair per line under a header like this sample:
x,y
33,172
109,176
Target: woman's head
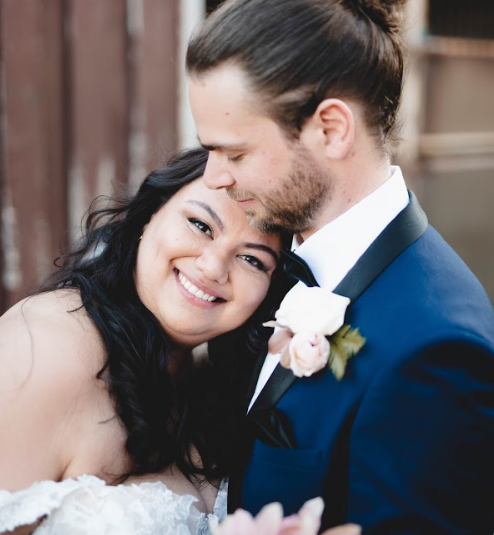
x,y
201,269
175,235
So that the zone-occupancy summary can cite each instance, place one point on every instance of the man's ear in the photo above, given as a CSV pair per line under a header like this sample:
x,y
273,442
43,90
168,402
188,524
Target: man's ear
x,y
333,124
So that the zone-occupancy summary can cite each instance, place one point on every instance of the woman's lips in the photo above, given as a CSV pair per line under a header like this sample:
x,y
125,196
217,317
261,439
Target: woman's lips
x,y
196,292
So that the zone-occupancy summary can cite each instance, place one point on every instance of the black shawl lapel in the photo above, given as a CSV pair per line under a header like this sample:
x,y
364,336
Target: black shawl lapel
x,y
405,229
280,381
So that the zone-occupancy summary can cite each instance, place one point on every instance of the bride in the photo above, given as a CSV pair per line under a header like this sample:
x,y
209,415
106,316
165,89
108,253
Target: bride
x,y
108,423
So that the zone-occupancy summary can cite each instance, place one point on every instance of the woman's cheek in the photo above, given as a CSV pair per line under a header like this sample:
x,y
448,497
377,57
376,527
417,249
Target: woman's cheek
x,y
260,294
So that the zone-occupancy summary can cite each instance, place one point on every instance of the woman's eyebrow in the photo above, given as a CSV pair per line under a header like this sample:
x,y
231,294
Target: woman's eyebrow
x,y
264,248
211,212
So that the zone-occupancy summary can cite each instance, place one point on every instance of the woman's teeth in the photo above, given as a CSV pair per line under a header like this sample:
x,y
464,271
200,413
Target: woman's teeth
x,y
194,290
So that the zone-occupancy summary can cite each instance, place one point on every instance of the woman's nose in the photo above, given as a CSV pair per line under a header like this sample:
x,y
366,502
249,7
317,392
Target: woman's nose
x,y
217,174
213,265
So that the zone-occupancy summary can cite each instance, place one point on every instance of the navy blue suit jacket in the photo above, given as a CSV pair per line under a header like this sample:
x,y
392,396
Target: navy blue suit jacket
x,y
404,443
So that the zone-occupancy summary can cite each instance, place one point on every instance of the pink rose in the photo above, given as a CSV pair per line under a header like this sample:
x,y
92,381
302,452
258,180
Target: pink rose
x,y
308,352
279,342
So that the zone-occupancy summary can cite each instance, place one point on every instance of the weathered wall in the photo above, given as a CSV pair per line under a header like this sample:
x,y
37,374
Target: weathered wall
x,y
88,103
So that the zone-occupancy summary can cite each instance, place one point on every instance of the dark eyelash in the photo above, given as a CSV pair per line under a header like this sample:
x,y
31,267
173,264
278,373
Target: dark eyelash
x,y
260,265
198,223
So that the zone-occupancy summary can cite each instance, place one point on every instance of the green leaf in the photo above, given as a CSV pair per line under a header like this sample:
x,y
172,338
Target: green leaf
x,y
344,344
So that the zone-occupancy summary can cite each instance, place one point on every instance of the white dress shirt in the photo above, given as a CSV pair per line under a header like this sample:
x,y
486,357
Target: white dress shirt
x,y
335,248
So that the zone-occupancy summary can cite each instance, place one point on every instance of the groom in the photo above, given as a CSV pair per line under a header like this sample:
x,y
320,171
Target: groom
x,y
296,101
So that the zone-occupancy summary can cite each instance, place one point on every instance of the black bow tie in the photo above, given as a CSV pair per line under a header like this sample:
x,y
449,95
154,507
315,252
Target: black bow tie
x,y
297,268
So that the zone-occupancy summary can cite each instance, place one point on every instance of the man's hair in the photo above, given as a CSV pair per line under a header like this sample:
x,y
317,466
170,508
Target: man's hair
x,y
296,53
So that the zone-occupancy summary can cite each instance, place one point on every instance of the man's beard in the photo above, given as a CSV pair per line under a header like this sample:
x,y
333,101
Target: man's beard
x,y
296,203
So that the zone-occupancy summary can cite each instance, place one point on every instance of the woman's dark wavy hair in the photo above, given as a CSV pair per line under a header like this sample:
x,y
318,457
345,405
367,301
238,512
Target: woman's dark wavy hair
x,y
164,415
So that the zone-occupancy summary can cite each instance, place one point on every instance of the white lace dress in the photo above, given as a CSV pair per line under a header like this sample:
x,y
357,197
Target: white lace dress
x,y
87,505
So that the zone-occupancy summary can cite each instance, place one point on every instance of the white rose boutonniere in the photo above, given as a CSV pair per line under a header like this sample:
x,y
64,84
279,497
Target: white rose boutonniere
x,y
312,333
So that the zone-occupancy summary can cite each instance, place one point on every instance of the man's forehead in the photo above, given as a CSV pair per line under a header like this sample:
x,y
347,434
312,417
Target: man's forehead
x,y
227,83
226,73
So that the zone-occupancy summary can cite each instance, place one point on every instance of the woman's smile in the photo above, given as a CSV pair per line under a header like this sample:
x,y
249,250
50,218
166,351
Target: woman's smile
x,y
196,292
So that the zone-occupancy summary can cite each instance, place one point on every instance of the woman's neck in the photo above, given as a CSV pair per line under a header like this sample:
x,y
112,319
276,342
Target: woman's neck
x,y
180,359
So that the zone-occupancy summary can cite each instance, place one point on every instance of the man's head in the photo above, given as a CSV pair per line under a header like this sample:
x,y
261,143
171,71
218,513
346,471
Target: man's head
x,y
261,70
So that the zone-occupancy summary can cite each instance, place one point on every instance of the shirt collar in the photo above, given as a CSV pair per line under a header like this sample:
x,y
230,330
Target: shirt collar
x,y
335,248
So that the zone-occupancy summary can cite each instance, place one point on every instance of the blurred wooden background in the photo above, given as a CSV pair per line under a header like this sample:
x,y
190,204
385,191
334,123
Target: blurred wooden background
x,y
88,101
92,97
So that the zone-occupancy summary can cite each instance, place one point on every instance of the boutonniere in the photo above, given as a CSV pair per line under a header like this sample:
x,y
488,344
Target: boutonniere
x,y
312,333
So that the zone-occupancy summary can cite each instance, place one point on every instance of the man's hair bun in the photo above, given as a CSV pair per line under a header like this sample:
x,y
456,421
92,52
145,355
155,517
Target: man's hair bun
x,y
387,14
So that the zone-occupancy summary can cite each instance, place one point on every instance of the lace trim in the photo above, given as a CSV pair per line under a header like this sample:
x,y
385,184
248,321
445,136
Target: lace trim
x,y
208,522
29,505
87,505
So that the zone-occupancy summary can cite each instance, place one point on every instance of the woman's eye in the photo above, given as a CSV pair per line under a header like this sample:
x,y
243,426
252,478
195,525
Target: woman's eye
x,y
236,158
203,227
254,261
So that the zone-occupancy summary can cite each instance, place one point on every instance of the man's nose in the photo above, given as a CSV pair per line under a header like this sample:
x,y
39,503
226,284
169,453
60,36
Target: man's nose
x,y
213,265
217,175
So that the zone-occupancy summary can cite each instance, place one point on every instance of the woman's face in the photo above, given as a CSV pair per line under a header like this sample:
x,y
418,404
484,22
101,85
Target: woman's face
x,y
201,269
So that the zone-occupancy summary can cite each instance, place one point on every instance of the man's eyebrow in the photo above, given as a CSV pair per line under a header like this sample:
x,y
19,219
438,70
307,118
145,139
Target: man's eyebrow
x,y
211,212
221,146
209,148
264,248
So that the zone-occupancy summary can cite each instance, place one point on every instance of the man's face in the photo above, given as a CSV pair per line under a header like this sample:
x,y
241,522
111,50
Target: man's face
x,y
277,181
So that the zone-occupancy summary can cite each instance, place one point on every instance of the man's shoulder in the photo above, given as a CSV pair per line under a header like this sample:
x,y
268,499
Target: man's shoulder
x,y
429,290
431,265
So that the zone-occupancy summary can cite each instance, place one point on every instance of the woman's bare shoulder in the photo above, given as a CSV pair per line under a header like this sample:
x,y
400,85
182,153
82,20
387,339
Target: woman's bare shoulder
x,y
50,327
50,353
62,305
